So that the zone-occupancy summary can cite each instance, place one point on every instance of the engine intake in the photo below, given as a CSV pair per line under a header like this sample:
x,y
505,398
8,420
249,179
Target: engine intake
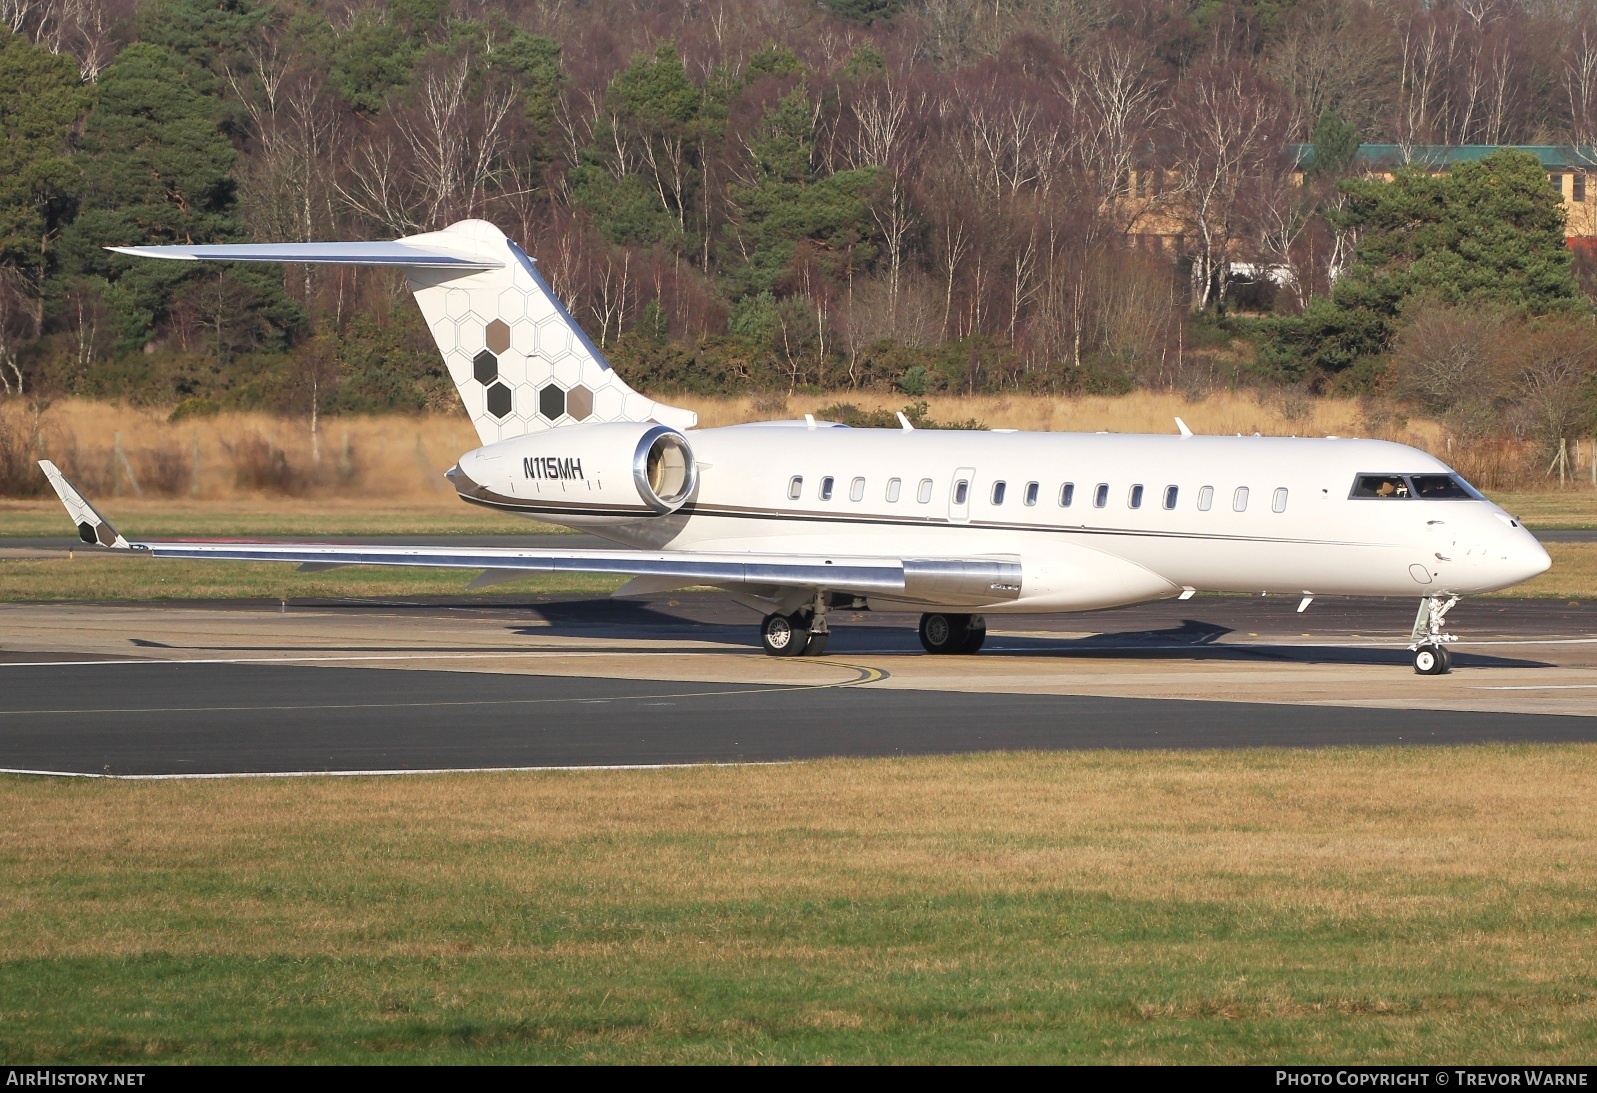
x,y
664,470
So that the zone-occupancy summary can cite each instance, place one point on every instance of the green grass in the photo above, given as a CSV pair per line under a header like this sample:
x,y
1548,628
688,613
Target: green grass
x,y
95,575
1421,905
154,520
92,575
1553,509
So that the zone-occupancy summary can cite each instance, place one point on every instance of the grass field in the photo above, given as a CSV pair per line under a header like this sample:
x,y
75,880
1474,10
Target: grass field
x,y
1572,508
163,518
1381,905
97,575
93,574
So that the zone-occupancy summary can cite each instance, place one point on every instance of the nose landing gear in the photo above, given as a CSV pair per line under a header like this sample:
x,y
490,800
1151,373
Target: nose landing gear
x,y
1431,656
1433,660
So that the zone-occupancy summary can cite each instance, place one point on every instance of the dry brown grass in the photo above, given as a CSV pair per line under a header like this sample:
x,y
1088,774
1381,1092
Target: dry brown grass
x,y
250,456
399,460
1224,412
1382,904
1321,835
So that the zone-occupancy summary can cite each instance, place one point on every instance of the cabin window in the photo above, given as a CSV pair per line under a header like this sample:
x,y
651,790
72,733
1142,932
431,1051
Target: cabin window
x,y
1558,183
856,490
1170,493
1067,494
1134,499
1031,493
923,492
826,488
961,492
893,487
998,492
795,487
1239,500
1100,496
1206,499
1278,501
1578,188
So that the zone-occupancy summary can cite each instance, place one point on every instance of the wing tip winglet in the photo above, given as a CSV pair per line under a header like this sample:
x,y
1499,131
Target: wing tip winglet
x,y
92,527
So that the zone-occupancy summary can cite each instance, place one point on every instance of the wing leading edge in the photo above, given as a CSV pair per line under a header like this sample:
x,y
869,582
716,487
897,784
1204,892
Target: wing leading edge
x,y
976,581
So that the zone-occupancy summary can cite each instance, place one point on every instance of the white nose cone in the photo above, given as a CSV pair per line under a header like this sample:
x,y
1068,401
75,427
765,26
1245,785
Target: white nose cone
x,y
1529,558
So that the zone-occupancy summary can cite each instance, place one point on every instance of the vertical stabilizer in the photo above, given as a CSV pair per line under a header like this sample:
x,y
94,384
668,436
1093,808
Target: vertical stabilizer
x,y
519,360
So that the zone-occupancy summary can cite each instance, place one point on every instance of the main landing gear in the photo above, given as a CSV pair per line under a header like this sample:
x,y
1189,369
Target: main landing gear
x,y
801,634
952,633
1431,656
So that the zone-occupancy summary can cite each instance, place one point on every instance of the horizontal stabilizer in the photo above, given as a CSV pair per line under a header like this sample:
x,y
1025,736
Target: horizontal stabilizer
x,y
356,254
520,362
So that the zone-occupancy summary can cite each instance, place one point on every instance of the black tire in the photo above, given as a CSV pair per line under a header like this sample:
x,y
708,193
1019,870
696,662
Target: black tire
x,y
816,646
944,634
785,635
1447,658
975,636
1432,660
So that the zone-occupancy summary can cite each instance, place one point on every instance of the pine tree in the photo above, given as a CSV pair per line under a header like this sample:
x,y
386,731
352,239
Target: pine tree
x,y
158,169
1489,233
788,203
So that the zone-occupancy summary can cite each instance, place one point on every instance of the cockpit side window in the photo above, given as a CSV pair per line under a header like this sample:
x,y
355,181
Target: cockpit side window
x,y
1381,486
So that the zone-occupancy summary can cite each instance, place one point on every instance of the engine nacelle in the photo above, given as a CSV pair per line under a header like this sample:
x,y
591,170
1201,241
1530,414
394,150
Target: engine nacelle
x,y
604,473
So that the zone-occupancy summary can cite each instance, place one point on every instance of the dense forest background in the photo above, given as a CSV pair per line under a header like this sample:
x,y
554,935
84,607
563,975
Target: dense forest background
x,y
764,195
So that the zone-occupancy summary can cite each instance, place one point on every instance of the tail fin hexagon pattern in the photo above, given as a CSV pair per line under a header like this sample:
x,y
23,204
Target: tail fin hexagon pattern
x,y
519,360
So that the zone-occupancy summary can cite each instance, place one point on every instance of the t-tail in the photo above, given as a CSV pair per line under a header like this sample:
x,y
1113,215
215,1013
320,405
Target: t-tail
x,y
519,360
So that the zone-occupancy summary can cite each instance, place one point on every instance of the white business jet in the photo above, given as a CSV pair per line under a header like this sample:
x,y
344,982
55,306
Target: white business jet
x,y
796,518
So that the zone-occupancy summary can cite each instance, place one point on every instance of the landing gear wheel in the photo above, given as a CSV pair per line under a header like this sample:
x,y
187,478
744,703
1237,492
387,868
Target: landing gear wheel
x,y
975,636
785,635
816,647
1433,660
944,634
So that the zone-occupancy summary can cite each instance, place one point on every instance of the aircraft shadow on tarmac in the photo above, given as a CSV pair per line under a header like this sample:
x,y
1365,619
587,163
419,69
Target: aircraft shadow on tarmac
x,y
1193,639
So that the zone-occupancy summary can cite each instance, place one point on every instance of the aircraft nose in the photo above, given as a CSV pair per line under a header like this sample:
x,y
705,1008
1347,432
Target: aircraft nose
x,y
1527,558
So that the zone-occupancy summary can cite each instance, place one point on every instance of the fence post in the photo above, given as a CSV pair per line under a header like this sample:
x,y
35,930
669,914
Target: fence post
x,y
127,468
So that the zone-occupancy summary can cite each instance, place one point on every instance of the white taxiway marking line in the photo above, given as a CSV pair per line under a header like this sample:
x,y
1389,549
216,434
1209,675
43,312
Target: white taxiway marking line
x,y
382,773
1543,687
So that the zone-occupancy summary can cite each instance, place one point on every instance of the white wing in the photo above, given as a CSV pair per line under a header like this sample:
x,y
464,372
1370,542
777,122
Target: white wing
x,y
949,581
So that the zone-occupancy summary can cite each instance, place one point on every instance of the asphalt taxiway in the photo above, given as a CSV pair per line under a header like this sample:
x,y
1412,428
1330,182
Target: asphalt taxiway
x,y
324,686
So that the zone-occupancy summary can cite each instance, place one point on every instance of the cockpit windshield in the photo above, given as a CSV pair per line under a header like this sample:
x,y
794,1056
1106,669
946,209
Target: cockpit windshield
x,y
1427,487
1381,485
1442,486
